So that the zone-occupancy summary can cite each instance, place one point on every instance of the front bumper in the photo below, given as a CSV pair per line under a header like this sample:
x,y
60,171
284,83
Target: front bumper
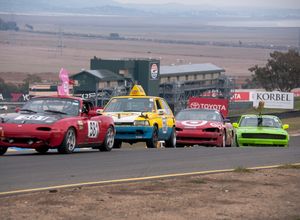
x,y
196,137
262,142
27,136
138,133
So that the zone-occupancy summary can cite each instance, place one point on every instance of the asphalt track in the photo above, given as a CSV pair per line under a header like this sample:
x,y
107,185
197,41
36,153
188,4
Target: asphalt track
x,y
27,170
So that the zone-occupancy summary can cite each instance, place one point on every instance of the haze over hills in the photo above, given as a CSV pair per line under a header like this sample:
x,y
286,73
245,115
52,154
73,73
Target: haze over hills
x,y
110,7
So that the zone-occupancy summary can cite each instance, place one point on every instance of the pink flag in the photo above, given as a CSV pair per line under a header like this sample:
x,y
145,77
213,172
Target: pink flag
x,y
63,89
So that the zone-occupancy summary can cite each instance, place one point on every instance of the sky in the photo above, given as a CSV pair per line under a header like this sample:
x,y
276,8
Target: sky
x,y
230,3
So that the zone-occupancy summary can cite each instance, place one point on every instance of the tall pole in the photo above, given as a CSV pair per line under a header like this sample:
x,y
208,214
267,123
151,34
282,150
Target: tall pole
x,y
96,92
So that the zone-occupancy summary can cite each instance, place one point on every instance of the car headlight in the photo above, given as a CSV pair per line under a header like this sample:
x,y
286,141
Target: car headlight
x,y
141,123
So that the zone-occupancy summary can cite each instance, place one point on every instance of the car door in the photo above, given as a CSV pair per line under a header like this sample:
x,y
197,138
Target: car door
x,y
90,125
168,120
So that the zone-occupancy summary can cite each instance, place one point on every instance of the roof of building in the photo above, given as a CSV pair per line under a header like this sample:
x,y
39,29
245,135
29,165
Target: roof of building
x,y
102,75
190,68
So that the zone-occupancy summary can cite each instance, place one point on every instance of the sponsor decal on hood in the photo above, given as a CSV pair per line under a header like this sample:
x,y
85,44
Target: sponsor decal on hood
x,y
199,124
124,116
16,118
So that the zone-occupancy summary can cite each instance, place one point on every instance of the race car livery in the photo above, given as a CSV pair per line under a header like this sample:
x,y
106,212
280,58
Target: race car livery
x,y
141,118
261,130
205,127
60,122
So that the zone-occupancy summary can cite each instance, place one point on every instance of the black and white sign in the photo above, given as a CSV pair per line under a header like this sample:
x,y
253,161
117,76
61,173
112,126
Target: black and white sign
x,y
93,127
154,71
276,100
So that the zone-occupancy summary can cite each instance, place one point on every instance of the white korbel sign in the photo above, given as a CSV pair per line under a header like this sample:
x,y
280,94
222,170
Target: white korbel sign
x,y
281,100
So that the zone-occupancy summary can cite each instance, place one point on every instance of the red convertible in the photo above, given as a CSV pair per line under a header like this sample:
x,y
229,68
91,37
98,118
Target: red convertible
x,y
202,127
60,122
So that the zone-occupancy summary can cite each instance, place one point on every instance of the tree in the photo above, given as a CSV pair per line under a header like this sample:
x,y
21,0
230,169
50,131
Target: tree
x,y
31,78
282,72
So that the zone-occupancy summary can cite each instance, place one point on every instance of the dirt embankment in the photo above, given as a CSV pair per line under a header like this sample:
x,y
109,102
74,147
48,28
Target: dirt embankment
x,y
264,194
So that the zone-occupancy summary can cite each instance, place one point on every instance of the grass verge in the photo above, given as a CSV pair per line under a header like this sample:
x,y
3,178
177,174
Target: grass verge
x,y
242,170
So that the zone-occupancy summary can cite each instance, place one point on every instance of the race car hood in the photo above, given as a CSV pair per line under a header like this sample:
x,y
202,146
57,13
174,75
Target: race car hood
x,y
196,124
123,117
38,118
254,130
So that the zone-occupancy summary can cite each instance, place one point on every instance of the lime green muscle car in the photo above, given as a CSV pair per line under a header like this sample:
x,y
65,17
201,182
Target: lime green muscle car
x,y
261,130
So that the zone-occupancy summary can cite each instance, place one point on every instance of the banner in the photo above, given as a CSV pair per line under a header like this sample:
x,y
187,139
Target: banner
x,y
240,97
276,100
63,89
209,103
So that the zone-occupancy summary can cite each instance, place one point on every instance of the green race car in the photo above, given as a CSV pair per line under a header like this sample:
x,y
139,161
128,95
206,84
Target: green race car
x,y
261,130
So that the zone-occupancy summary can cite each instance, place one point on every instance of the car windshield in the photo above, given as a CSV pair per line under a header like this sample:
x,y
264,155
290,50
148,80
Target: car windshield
x,y
52,105
206,115
256,121
130,105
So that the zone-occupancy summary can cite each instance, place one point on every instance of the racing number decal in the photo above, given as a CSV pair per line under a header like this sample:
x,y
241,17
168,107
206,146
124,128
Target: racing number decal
x,y
93,127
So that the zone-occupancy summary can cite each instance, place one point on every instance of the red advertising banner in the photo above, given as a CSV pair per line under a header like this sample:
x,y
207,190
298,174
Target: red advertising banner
x,y
209,103
296,93
240,97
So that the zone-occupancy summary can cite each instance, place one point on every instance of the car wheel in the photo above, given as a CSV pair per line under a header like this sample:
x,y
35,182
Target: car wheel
x,y
236,142
231,141
117,144
152,143
223,141
42,150
3,150
109,140
171,142
69,142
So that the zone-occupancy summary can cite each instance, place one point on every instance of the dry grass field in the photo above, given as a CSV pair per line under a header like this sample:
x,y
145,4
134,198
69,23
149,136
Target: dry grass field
x,y
31,52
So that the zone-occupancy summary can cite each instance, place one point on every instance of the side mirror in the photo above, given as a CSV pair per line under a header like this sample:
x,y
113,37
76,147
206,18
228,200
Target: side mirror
x,y
92,113
235,125
226,120
17,109
161,111
285,126
99,111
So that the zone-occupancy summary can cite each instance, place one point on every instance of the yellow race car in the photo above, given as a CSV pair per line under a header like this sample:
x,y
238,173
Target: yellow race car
x,y
141,118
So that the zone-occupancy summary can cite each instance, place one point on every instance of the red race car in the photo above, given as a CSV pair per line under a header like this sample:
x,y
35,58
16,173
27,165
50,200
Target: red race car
x,y
202,127
60,122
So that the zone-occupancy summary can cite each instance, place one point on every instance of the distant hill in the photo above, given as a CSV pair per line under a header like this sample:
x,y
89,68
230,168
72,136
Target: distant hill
x,y
110,7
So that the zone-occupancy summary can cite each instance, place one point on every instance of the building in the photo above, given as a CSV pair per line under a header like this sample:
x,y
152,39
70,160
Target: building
x,y
142,71
178,83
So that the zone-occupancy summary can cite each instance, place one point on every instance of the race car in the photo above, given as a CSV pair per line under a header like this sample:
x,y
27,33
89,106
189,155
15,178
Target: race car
x,y
60,122
141,118
205,127
261,130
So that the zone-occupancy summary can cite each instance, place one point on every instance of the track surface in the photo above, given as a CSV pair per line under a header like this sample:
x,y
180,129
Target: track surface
x,y
27,169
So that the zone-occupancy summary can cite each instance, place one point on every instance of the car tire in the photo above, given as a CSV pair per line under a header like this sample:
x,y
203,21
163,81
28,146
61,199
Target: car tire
x,y
3,150
108,143
223,143
152,143
42,150
231,141
236,142
117,144
171,142
69,143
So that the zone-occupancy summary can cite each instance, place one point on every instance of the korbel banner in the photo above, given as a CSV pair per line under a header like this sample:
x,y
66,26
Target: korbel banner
x,y
277,100
208,103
